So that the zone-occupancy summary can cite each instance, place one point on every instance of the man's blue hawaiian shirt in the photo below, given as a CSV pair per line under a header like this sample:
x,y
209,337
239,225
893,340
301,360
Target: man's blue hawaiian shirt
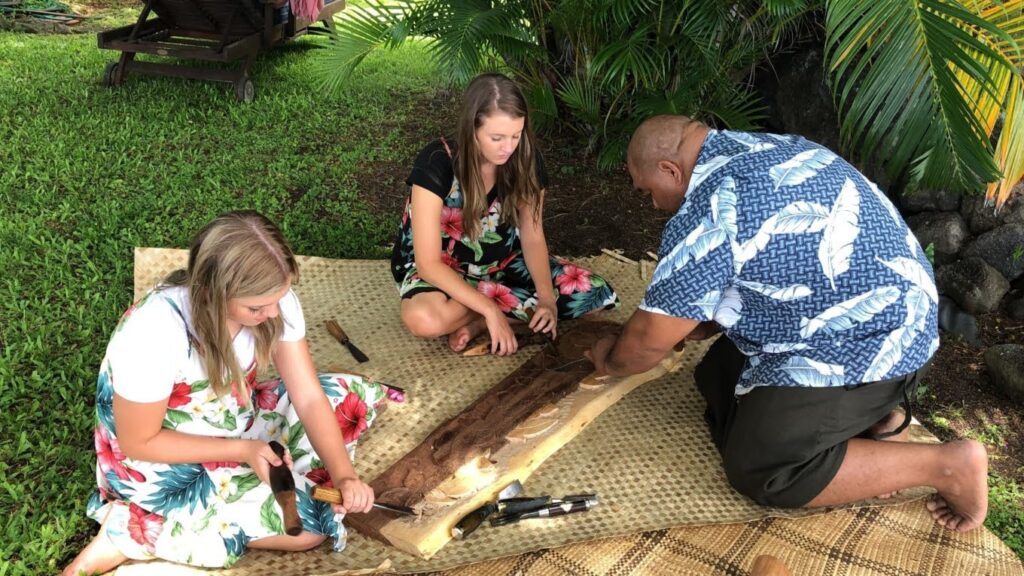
x,y
807,266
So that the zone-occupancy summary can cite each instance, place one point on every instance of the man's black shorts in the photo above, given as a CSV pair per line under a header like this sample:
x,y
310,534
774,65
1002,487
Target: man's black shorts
x,y
782,446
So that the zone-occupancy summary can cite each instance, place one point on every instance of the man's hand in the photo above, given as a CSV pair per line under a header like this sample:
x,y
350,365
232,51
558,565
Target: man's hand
x,y
598,353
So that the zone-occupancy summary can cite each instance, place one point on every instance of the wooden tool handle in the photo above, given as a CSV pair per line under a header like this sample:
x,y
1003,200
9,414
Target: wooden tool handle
x,y
290,512
283,485
330,495
765,565
336,331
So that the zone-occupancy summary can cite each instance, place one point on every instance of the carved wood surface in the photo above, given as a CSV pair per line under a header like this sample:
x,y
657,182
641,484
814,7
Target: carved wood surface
x,y
502,436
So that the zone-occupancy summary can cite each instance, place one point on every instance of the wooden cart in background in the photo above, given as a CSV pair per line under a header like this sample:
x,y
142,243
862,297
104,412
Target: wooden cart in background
x,y
222,31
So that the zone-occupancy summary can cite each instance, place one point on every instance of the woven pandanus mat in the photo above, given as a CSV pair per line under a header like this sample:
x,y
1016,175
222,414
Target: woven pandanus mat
x,y
649,456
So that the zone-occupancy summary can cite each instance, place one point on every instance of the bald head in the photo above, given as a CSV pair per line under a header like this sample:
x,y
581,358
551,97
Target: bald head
x,y
660,138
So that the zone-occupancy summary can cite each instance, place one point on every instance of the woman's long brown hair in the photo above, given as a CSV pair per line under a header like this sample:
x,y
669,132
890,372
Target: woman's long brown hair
x,y
517,183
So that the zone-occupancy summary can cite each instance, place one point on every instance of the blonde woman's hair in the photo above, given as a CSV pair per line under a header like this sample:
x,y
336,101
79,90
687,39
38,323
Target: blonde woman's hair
x,y
517,181
239,254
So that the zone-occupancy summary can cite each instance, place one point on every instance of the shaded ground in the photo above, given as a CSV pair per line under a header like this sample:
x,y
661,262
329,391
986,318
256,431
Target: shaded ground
x,y
961,402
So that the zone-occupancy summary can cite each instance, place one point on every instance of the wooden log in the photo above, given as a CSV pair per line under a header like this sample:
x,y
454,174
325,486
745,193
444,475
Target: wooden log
x,y
503,436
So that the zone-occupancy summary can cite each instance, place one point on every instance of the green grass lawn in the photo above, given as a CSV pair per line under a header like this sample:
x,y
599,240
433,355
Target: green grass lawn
x,y
87,173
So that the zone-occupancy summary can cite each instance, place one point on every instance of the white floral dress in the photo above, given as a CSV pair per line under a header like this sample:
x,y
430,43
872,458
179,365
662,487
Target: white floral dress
x,y
205,514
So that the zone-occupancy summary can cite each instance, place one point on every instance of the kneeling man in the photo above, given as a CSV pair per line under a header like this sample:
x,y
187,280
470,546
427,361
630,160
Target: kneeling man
x,y
828,310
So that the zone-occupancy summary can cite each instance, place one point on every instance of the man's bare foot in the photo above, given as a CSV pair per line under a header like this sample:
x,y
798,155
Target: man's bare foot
x,y
962,501
99,557
461,337
891,422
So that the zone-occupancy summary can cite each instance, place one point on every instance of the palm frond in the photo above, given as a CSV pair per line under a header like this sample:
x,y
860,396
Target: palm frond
x,y
735,108
582,96
360,31
467,29
633,59
1010,148
901,71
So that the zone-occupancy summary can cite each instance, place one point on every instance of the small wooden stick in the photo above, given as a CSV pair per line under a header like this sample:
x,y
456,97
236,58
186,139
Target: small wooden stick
x,y
618,256
765,565
652,255
645,270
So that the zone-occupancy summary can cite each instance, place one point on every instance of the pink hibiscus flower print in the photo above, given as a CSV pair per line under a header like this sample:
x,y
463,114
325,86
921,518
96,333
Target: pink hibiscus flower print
x,y
266,394
450,261
180,395
573,279
451,222
110,457
351,416
144,527
320,477
502,295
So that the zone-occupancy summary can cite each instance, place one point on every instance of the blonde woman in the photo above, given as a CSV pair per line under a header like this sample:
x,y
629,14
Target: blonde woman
x,y
471,252
182,425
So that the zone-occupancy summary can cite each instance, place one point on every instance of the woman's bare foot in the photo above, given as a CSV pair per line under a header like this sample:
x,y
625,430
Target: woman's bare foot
x,y
99,557
461,337
962,502
891,422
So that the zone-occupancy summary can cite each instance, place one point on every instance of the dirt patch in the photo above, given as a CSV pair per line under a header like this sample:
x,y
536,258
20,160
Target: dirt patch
x,y
961,401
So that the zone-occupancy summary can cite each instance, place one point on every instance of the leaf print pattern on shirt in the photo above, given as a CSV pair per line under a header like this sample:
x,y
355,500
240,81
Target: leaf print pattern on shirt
x,y
786,294
840,232
914,272
900,339
845,315
819,265
800,168
709,235
807,372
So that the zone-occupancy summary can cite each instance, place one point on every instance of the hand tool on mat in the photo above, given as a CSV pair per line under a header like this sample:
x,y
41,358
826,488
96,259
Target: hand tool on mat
x,y
474,519
333,495
561,507
283,485
341,337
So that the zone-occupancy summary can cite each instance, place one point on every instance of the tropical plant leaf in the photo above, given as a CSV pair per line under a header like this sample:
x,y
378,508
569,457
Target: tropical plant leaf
x,y
896,66
360,31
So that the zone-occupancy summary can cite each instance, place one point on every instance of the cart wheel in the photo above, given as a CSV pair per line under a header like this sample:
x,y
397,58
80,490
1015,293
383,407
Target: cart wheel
x,y
110,75
245,90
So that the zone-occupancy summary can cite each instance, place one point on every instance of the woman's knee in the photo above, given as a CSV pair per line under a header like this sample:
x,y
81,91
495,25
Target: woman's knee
x,y
423,321
309,540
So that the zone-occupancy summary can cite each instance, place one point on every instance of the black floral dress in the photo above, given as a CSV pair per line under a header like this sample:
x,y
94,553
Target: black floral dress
x,y
493,263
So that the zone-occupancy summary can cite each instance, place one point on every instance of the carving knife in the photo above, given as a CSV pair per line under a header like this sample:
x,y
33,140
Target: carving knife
x,y
333,495
474,519
341,337
283,485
